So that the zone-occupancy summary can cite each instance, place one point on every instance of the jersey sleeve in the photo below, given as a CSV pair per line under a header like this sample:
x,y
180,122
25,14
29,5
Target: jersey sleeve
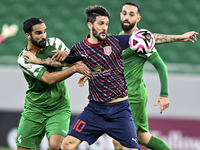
x,y
123,41
34,70
58,44
73,56
161,68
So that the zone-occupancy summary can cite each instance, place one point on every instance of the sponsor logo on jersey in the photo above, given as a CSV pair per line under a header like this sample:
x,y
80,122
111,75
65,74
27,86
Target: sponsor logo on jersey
x,y
98,67
107,50
29,66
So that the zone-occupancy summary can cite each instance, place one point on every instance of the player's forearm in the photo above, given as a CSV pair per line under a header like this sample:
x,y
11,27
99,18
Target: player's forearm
x,y
54,77
163,75
163,38
161,68
52,63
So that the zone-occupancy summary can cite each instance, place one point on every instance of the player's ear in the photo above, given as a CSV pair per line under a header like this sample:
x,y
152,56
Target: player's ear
x,y
89,24
139,18
28,35
120,14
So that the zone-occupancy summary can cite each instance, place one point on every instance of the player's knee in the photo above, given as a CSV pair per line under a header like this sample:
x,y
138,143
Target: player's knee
x,y
54,146
55,141
144,138
116,144
21,148
67,144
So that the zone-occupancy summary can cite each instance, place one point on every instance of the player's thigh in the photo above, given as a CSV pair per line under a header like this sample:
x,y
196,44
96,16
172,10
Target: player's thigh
x,y
124,132
30,133
58,124
139,112
88,126
122,127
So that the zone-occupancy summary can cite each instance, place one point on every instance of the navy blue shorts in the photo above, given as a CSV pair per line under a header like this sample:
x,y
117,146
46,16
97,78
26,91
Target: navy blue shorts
x,y
114,119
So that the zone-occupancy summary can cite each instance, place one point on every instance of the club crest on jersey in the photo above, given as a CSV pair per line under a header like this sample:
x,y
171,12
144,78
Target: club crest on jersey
x,y
107,50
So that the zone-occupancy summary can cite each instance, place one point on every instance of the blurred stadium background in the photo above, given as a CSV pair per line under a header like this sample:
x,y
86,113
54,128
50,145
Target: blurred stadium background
x,y
178,125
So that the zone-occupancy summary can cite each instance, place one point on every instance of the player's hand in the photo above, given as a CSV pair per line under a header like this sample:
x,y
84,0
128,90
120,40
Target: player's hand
x,y
82,80
82,68
60,55
30,57
189,36
164,103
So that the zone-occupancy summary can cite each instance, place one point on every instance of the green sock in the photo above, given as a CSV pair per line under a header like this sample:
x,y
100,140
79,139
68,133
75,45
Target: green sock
x,y
157,144
118,149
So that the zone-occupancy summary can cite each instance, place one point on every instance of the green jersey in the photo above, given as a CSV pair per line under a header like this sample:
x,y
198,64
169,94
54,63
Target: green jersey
x,y
133,71
41,97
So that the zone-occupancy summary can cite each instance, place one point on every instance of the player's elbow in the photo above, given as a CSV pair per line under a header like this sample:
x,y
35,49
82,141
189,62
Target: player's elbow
x,y
46,78
50,82
165,67
161,66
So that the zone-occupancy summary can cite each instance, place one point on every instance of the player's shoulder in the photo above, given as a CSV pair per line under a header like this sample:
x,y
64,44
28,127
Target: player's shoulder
x,y
79,45
118,36
152,53
21,53
111,35
53,40
20,58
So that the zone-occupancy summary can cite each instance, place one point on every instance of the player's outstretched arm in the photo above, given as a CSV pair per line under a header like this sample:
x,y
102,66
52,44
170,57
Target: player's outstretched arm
x,y
161,68
48,61
164,38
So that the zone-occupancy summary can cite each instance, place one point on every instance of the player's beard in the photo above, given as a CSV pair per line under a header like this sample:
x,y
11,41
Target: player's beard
x,y
40,44
127,28
97,36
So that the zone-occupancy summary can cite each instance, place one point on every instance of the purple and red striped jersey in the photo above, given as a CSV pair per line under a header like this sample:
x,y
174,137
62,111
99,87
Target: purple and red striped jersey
x,y
106,64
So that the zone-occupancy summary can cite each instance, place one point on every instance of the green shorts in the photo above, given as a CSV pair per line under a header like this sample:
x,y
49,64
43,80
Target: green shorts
x,y
139,112
33,127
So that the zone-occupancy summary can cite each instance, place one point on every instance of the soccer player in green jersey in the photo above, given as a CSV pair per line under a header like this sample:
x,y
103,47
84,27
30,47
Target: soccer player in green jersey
x,y
47,102
190,36
133,70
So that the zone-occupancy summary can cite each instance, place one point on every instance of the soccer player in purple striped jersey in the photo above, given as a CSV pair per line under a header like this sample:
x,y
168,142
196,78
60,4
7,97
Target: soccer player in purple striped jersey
x,y
108,110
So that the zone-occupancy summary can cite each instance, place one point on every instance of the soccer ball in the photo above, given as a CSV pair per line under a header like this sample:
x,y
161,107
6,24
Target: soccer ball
x,y
141,41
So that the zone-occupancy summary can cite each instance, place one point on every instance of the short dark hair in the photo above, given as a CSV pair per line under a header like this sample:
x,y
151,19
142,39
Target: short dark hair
x,y
133,4
27,26
94,11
